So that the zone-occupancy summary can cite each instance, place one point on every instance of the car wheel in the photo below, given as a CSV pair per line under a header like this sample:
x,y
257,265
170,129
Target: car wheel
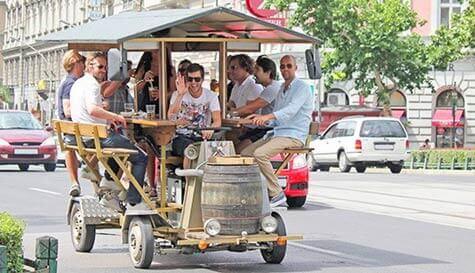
x,y
361,168
395,168
343,163
50,167
296,202
276,254
23,167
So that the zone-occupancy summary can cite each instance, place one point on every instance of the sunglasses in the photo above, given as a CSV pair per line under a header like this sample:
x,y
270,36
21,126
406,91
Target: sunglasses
x,y
283,66
100,66
191,79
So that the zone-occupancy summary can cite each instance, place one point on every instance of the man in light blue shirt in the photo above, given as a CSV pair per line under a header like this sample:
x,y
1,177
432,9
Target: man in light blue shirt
x,y
291,119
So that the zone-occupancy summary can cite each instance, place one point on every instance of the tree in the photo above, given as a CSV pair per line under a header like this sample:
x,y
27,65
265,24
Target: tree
x,y
5,95
450,44
370,40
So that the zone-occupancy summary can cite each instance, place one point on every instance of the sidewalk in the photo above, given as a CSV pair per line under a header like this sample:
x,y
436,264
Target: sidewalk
x,y
424,171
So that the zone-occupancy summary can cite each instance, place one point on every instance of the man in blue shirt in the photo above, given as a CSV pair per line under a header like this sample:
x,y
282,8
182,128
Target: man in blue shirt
x,y
74,64
291,119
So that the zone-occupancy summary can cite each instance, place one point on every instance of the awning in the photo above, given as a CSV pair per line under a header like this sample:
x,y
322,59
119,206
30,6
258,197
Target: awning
x,y
398,113
444,118
174,23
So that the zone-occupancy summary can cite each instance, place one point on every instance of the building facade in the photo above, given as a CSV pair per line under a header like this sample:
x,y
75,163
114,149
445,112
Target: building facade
x,y
425,112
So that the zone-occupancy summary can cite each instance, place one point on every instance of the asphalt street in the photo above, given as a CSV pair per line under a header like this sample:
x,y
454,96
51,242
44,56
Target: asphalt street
x,y
374,222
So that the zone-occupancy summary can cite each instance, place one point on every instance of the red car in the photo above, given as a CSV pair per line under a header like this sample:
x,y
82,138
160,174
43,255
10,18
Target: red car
x,y
24,141
293,179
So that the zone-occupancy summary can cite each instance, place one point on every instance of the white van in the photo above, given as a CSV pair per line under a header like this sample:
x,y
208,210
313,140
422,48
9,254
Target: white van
x,y
361,142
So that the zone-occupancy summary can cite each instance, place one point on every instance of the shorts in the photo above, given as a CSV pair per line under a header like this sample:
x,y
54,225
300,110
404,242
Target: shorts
x,y
254,134
180,142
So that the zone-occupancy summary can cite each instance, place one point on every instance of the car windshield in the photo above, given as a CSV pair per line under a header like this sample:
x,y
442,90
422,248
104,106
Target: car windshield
x,y
18,120
382,128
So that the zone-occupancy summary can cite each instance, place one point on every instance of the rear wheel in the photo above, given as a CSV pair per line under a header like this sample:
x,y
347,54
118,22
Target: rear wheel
x,y
296,202
361,168
82,235
141,242
343,163
23,167
395,168
276,254
50,167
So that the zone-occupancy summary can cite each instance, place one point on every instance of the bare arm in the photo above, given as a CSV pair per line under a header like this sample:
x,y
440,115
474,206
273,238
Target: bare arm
x,y
109,89
175,107
251,107
67,108
99,112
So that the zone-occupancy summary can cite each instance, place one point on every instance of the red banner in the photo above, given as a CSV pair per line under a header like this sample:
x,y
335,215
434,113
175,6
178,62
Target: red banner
x,y
256,7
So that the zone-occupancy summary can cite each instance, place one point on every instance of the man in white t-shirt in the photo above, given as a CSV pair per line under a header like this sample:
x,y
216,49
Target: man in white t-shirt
x,y
86,107
245,89
193,105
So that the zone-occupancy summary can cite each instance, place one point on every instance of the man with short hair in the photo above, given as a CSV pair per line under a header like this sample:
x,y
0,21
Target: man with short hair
x,y
73,63
86,93
291,119
193,105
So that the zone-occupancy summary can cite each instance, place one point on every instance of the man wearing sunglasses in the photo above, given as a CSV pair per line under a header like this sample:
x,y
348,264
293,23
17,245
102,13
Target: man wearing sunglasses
x,y
193,105
87,108
290,118
245,89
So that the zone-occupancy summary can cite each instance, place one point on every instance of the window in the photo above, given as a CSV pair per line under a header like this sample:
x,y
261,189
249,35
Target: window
x,y
447,9
445,99
382,128
330,132
345,129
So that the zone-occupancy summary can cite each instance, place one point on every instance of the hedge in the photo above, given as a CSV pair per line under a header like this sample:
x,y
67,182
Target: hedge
x,y
442,159
11,236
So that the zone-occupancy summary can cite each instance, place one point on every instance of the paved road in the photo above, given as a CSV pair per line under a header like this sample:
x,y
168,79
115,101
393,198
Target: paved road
x,y
355,223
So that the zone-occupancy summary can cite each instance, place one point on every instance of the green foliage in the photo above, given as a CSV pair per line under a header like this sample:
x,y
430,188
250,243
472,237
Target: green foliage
x,y
371,42
447,44
445,156
5,94
11,236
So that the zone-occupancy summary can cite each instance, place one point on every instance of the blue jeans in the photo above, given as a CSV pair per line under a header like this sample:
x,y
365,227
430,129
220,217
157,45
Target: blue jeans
x,y
139,162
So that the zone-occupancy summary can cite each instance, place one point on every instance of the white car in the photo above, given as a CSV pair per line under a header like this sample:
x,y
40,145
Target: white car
x,y
361,142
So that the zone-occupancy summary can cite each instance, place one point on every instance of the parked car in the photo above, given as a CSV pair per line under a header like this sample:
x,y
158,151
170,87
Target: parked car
x,y
361,142
293,179
24,141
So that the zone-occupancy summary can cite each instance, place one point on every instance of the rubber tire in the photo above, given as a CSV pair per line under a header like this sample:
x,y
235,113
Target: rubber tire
x,y
86,242
360,168
395,168
345,164
277,254
296,202
148,242
23,167
50,167
324,168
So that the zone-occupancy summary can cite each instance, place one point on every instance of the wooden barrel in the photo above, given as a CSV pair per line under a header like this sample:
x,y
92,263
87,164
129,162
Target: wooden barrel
x,y
232,194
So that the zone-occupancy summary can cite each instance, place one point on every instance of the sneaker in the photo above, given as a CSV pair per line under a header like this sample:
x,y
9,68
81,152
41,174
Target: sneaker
x,y
278,200
110,201
139,206
75,190
109,185
86,173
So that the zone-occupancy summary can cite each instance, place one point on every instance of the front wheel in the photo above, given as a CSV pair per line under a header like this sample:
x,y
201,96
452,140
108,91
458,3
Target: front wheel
x,y
361,168
276,254
141,242
23,167
395,168
343,163
296,202
50,167
82,235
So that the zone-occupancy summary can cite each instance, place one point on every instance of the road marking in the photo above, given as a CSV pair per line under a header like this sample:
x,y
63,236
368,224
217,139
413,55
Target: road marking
x,y
331,252
45,191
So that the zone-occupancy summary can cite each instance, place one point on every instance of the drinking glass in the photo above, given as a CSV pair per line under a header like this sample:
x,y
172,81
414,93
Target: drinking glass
x,y
150,109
